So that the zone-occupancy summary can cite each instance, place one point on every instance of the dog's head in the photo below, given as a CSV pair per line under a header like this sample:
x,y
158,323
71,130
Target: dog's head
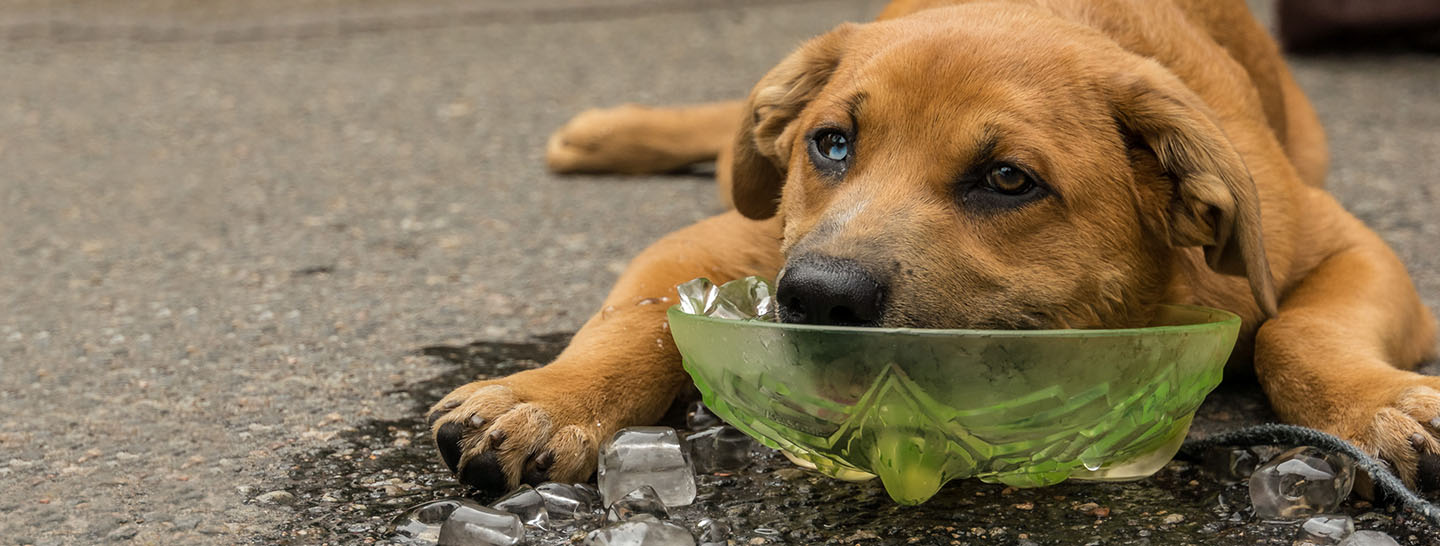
x,y
988,167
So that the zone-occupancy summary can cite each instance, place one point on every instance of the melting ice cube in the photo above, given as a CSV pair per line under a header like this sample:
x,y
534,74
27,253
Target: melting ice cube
x,y
1326,530
697,297
713,533
528,504
641,530
566,503
638,456
1231,464
474,525
747,298
642,501
1300,483
422,522
719,449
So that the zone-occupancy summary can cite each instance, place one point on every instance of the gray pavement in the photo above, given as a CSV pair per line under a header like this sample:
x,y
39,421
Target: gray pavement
x,y
223,237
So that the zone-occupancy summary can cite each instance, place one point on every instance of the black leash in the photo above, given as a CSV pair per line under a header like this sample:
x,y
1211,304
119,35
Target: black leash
x,y
1275,434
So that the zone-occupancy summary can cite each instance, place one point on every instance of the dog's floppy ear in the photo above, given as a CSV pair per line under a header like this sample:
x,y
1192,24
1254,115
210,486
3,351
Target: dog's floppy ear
x,y
762,144
1215,203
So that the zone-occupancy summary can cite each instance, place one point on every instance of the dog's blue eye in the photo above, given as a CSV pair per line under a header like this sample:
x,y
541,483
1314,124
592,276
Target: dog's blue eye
x,y
832,145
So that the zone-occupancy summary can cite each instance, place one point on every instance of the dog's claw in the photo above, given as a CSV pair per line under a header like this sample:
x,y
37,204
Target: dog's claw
x,y
497,438
439,412
538,471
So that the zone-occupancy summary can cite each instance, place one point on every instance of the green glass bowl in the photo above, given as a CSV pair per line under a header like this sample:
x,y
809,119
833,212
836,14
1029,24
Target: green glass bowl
x,y
919,408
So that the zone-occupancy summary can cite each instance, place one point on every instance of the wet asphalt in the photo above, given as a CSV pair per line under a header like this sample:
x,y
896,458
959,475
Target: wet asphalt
x,y
227,234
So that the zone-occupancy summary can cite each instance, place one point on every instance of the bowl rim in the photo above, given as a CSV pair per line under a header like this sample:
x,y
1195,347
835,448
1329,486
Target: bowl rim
x,y
1221,319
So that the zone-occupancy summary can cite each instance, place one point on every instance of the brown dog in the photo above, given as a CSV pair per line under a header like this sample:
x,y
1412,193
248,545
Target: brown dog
x,y
1026,164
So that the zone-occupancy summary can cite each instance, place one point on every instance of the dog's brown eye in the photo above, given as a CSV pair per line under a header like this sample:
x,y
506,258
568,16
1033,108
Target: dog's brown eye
x,y
1008,180
1000,186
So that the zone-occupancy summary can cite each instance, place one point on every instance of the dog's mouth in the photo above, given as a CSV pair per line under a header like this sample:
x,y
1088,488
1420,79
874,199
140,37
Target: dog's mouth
x,y
875,309
1019,321
796,310
830,291
832,309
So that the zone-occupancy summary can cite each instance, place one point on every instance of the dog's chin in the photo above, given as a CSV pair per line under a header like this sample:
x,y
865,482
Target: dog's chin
x,y
961,320
791,316
1017,322
1022,321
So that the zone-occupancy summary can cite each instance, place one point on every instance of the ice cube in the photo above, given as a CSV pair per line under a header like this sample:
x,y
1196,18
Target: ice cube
x,y
528,504
652,456
1300,483
697,297
640,501
1326,529
719,449
474,525
698,417
1369,538
713,533
592,493
1230,464
421,523
567,503
747,298
642,530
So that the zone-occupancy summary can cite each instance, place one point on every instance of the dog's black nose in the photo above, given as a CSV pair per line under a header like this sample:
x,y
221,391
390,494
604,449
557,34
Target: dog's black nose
x,y
831,291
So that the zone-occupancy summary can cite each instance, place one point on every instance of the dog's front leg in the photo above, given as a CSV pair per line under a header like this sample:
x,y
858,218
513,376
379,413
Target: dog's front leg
x,y
621,368
1338,355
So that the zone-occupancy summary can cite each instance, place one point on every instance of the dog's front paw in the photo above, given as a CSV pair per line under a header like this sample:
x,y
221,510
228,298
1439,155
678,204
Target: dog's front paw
x,y
1403,432
595,140
626,139
527,428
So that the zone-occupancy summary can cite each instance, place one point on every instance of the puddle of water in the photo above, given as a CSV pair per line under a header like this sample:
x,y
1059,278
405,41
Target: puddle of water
x,y
349,495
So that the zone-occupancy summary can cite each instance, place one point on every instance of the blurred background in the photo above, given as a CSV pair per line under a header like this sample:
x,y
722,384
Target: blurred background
x,y
225,227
